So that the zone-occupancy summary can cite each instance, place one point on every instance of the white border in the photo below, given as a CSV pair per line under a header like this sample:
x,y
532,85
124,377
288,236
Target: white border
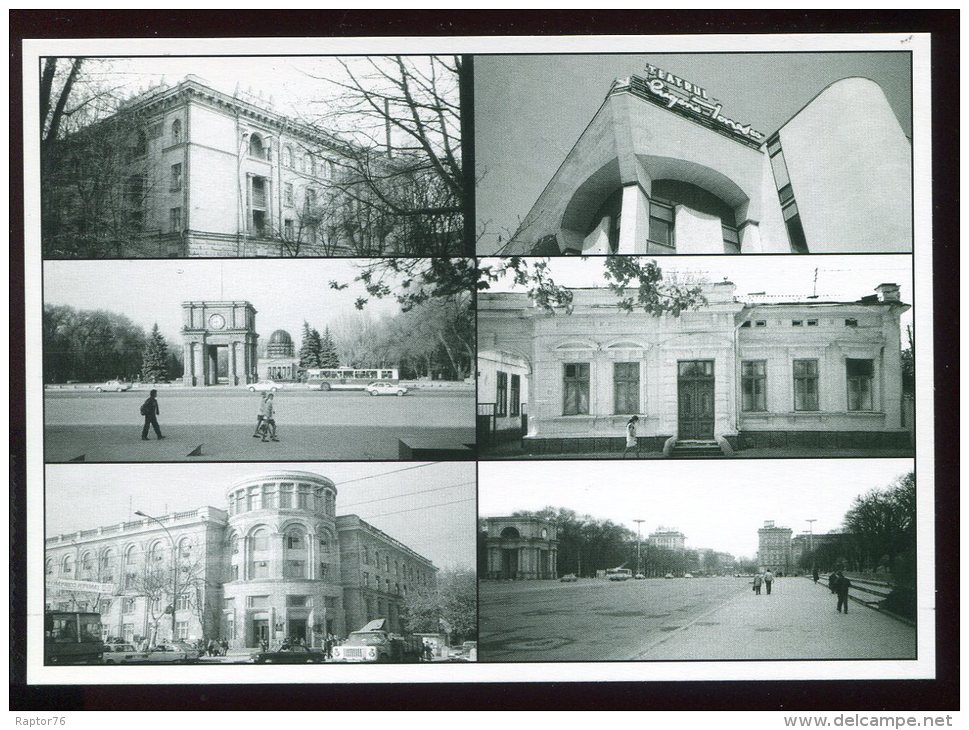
x,y
923,667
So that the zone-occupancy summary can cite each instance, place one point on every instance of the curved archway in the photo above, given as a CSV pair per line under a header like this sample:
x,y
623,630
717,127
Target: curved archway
x,y
510,533
257,146
176,131
287,156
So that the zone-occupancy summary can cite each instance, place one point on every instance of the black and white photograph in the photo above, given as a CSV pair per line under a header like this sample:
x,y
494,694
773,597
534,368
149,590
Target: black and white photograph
x,y
228,360
694,153
251,156
696,357
744,561
259,564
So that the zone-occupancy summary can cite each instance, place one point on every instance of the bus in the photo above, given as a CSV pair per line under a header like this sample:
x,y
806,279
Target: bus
x,y
72,637
349,378
619,574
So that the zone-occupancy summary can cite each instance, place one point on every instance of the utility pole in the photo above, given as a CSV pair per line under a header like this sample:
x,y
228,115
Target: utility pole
x,y
639,561
811,533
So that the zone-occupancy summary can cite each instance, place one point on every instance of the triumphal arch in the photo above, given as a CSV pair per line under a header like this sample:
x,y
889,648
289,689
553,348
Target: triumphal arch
x,y
219,342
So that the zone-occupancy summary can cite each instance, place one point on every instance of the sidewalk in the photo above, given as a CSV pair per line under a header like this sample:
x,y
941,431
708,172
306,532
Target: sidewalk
x,y
798,621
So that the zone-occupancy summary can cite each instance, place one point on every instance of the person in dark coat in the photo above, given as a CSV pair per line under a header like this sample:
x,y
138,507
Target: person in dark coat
x,y
833,582
768,580
149,409
843,584
816,575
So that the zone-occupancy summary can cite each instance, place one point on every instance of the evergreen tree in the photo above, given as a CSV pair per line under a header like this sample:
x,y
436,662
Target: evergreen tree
x,y
309,353
154,364
329,357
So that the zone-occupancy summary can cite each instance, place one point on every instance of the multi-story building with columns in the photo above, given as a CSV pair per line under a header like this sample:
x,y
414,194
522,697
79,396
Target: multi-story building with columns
x,y
278,563
774,548
663,168
521,548
213,174
668,538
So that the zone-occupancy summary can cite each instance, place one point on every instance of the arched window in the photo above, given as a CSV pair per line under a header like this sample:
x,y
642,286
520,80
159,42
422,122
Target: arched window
x,y
308,164
259,558
137,145
177,131
49,567
108,565
67,567
87,566
287,156
296,551
257,148
510,532
184,549
324,543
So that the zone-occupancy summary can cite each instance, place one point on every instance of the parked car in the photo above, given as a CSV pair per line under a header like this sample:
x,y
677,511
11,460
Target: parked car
x,y
668,575
639,576
122,654
290,655
270,385
169,654
568,578
688,575
117,386
385,387
470,652
189,649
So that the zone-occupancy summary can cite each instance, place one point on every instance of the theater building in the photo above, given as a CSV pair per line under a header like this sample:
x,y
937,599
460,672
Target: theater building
x,y
521,548
278,563
774,548
668,538
757,371
663,168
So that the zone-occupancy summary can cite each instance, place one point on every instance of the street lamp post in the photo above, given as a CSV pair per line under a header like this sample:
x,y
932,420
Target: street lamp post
x,y
639,561
174,564
811,539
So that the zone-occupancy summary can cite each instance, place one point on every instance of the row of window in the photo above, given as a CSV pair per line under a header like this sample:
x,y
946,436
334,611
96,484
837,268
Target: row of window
x,y
376,584
626,385
785,193
107,564
849,322
282,496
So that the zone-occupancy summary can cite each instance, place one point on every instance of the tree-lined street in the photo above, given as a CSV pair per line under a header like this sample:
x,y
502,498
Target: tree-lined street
x,y
680,619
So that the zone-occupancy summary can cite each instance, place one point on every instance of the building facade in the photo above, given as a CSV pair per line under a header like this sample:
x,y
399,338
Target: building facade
x,y
219,343
670,539
213,174
521,548
774,548
278,563
738,372
662,169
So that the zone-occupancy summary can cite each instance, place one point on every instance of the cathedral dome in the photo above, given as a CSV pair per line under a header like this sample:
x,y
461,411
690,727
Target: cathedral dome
x,y
280,337
280,344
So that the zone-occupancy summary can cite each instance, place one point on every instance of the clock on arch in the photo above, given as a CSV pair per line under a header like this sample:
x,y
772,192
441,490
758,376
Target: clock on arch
x,y
216,321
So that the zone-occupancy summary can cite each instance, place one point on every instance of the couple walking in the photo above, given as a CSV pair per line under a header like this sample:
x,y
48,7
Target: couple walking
x,y
766,578
265,423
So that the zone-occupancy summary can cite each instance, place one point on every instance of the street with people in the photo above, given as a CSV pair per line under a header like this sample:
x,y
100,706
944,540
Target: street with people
x,y
680,619
91,426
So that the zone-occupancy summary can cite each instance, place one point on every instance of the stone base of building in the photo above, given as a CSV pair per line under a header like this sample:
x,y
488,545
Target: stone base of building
x,y
597,445
823,440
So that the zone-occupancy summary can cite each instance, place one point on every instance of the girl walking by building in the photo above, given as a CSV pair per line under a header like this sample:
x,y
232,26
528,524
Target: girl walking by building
x,y
631,441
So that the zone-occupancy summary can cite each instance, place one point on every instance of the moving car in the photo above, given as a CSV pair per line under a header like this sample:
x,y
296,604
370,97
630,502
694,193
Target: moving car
x,y
385,387
568,578
122,654
639,576
117,386
688,575
668,575
270,385
168,654
290,655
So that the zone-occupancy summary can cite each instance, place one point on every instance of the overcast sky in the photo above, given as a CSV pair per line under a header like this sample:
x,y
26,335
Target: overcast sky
x,y
530,110
840,278
716,504
430,508
284,292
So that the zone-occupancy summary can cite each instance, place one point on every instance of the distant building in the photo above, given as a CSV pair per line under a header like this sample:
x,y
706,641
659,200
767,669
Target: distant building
x,y
774,548
755,371
803,543
668,538
521,548
279,563
280,362
662,169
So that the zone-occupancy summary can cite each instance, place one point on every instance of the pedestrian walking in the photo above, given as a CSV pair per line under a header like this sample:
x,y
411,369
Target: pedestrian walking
x,y
816,575
757,581
150,410
833,582
631,441
269,423
842,586
260,417
768,580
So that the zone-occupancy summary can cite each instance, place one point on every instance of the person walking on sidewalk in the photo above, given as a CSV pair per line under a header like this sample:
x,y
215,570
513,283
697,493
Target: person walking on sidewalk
x,y
631,441
816,575
261,416
269,423
757,581
768,580
842,586
149,409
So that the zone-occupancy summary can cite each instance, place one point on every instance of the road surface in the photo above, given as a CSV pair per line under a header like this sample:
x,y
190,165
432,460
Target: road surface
x,y
218,422
679,619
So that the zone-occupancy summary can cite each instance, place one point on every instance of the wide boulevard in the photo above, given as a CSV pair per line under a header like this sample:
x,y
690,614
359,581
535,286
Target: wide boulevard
x,y
679,619
217,424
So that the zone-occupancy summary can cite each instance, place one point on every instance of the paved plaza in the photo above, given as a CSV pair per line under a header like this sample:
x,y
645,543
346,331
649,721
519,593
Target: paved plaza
x,y
219,422
680,619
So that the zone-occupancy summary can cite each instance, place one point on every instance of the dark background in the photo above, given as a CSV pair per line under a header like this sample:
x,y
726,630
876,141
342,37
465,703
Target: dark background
x,y
940,694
